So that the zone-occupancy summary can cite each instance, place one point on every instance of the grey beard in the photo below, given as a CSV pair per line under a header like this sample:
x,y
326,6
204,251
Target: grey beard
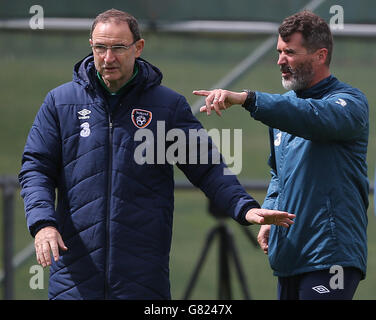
x,y
293,84
300,78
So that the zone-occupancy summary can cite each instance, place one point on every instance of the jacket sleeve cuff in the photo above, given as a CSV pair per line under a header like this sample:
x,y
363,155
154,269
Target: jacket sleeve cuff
x,y
40,225
241,217
250,103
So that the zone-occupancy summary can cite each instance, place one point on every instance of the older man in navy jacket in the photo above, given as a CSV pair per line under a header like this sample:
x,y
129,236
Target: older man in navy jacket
x,y
319,137
110,234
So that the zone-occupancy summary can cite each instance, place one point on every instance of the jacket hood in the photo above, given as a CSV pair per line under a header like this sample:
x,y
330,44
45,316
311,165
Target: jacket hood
x,y
84,73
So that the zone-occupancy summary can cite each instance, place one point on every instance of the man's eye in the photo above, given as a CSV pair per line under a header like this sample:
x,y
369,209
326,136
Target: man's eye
x,y
100,48
118,49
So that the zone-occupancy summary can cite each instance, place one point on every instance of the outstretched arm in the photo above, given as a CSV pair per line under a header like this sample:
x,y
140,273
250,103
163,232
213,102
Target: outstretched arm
x,y
343,115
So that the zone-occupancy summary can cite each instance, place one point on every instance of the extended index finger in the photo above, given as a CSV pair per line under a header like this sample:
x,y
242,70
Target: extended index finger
x,y
204,93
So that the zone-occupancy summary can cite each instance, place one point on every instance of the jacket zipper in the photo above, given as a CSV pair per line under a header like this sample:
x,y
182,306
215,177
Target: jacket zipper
x,y
109,190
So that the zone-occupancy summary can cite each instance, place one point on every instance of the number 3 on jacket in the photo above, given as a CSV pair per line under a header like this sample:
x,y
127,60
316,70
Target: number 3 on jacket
x,y
85,132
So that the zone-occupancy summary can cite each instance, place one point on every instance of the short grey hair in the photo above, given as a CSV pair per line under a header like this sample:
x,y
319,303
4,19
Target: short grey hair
x,y
117,16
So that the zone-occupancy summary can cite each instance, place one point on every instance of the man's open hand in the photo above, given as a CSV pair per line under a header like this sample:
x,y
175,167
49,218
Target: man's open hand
x,y
265,216
48,240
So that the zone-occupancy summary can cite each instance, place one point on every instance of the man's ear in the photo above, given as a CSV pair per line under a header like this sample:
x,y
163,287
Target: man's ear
x,y
139,47
322,55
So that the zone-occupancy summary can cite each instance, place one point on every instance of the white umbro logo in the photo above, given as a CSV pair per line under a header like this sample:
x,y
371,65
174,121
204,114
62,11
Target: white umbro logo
x,y
321,289
84,114
342,102
277,141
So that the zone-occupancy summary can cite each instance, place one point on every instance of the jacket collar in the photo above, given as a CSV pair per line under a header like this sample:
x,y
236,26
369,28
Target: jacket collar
x,y
319,89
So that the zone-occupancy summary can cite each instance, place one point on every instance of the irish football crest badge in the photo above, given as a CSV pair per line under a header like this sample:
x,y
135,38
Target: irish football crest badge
x,y
141,118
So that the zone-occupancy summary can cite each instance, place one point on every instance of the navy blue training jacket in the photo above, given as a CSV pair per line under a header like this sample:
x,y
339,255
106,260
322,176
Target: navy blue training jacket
x,y
114,214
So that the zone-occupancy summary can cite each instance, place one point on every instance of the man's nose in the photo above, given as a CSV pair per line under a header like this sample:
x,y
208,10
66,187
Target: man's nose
x,y
109,56
281,59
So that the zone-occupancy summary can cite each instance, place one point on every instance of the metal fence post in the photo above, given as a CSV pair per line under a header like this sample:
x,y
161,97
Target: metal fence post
x,y
8,239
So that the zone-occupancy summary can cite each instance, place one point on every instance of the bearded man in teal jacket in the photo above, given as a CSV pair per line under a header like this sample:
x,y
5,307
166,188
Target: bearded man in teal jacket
x,y
319,137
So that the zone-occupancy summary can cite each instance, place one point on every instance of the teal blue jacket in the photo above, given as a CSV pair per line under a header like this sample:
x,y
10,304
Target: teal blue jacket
x,y
319,172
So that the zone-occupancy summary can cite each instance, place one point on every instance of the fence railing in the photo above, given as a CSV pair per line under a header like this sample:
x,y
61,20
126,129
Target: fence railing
x,y
9,185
